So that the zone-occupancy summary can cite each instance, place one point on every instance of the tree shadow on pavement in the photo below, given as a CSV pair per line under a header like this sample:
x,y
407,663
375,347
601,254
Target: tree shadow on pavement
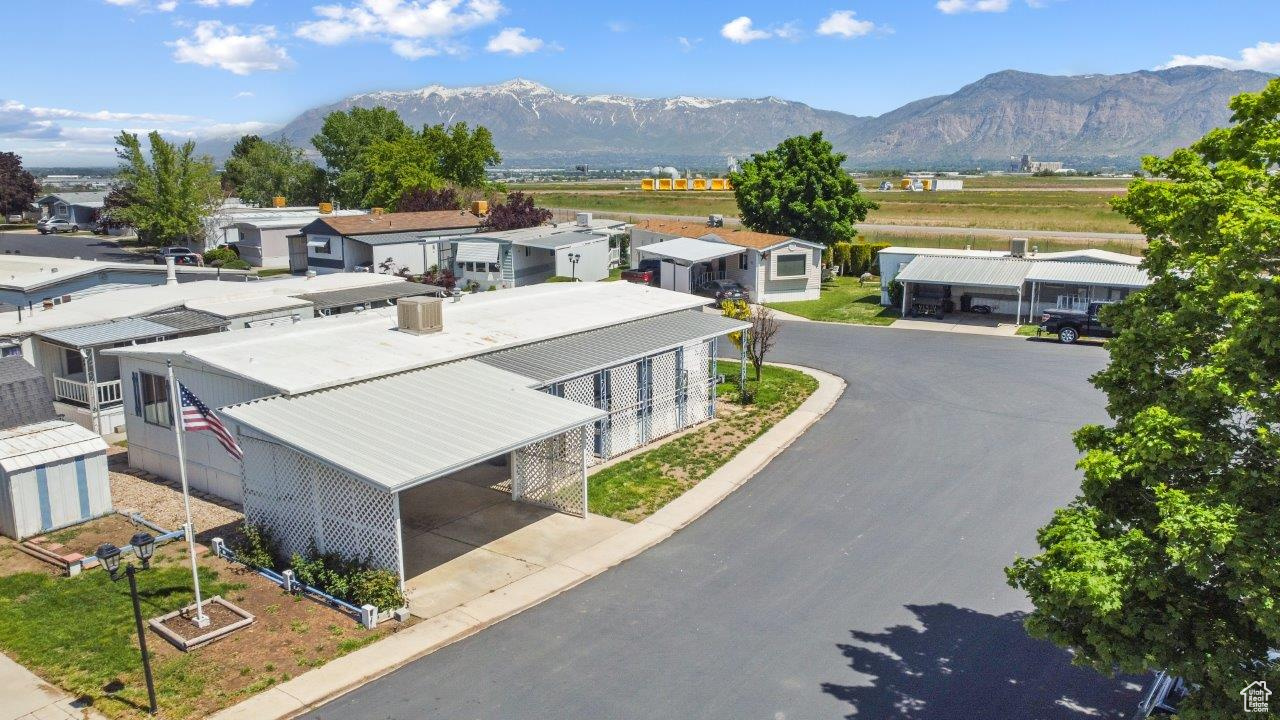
x,y
964,664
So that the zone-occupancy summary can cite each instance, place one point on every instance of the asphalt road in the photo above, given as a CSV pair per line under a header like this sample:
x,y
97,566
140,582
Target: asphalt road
x,y
858,575
65,245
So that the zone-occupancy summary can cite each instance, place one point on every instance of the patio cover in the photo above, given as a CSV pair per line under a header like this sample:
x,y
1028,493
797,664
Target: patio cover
x,y
1088,273
402,430
486,252
689,250
974,272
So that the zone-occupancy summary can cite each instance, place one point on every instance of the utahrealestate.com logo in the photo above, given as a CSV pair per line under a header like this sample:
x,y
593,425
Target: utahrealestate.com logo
x,y
1256,697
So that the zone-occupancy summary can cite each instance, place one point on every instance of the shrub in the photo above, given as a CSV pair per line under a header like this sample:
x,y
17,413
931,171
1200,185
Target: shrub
x,y
379,588
351,580
223,254
558,278
236,264
259,548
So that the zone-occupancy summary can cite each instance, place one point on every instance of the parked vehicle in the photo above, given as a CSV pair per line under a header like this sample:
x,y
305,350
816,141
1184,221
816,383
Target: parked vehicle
x,y
646,274
1071,325
721,290
55,225
1162,697
181,256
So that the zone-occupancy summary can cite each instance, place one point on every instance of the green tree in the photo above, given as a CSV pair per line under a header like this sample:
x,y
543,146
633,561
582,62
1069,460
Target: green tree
x,y
462,155
170,193
18,187
391,167
344,139
1168,557
267,169
799,189
230,178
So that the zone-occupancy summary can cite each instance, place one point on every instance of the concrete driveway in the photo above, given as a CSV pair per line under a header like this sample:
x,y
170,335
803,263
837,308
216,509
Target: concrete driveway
x,y
859,575
103,248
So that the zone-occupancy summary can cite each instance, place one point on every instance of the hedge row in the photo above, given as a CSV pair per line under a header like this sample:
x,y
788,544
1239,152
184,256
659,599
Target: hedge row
x,y
853,258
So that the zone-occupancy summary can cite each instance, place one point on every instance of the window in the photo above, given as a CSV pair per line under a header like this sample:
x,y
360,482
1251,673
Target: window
x,y
793,265
325,249
74,363
742,261
493,267
526,251
155,399
11,351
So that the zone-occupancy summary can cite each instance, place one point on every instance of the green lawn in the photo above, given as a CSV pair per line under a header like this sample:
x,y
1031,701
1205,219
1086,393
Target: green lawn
x,y
635,488
268,272
614,275
843,301
1028,330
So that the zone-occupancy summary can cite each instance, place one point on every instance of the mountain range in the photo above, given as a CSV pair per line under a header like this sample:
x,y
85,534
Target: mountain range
x,y
1086,121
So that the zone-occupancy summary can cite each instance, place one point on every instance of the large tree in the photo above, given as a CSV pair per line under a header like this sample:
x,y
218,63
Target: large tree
x,y
514,212
267,169
799,189
230,177
423,199
170,190
462,155
391,167
1169,556
343,141
18,187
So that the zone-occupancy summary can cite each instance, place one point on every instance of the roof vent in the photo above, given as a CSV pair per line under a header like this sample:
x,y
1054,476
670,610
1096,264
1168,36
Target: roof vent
x,y
419,315
1018,247
584,219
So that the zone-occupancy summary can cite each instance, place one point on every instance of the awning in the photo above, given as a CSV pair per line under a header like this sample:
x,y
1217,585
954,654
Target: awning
x,y
973,272
317,243
485,252
402,430
110,332
1088,273
690,250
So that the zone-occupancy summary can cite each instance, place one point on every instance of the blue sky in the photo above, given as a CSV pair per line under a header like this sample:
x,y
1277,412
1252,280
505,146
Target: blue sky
x,y
205,67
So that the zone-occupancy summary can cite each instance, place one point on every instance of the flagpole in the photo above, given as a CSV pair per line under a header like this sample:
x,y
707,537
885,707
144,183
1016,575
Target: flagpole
x,y
175,407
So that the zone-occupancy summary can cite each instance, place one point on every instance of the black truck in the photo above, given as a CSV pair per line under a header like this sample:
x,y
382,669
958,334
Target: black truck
x,y
1071,325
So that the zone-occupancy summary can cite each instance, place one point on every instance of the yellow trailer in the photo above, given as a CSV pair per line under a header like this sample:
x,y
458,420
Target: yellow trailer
x,y
682,184
664,183
699,184
646,184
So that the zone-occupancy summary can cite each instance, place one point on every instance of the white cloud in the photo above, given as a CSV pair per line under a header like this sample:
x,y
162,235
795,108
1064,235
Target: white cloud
x,y
146,5
844,24
688,44
1264,56
618,26
215,44
228,3
953,7
413,28
513,41
741,31
243,94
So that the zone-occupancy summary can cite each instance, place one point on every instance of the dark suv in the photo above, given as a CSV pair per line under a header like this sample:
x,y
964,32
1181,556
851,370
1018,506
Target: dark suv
x,y
721,290
1071,325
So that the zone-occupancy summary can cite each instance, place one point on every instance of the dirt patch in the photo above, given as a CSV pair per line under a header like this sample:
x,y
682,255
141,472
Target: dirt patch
x,y
13,561
87,536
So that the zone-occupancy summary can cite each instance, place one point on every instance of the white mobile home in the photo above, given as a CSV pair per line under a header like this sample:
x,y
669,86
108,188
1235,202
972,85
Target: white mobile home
x,y
582,250
379,242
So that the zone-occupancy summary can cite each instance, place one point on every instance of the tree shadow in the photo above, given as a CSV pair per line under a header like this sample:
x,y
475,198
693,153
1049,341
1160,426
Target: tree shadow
x,y
965,664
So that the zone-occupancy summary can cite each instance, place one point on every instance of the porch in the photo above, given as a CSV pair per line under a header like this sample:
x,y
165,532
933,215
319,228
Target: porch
x,y
78,390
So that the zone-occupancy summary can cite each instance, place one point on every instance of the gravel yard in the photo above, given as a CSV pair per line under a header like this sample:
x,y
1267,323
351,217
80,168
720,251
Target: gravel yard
x,y
161,503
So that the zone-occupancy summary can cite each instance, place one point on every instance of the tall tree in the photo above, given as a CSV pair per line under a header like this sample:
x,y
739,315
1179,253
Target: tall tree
x,y
515,212
343,140
799,189
389,167
230,178
462,154
170,194
267,169
18,187
1168,557
419,199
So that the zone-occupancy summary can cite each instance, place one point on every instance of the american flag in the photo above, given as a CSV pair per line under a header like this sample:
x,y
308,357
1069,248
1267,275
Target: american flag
x,y
197,416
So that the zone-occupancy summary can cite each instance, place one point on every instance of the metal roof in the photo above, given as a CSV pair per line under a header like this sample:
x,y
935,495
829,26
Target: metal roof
x,y
690,250
476,252
369,294
1088,273
972,271
405,429
401,238
46,442
90,199
576,355
125,329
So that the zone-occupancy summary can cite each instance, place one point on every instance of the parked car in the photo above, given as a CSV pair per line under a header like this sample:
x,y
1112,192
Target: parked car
x,y
1162,696
55,225
1071,325
721,290
181,256
646,274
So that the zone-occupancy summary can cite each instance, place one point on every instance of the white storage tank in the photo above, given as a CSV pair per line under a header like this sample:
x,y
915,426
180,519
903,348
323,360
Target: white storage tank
x,y
52,474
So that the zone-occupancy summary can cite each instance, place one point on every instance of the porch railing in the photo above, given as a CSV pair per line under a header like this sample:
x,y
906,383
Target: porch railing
x,y
77,391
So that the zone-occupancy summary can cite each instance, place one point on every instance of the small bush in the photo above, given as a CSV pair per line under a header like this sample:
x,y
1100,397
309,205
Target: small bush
x,y
379,588
223,254
236,264
558,278
259,548
351,580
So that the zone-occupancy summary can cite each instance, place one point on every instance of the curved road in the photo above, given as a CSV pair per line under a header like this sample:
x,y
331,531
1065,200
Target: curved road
x,y
859,574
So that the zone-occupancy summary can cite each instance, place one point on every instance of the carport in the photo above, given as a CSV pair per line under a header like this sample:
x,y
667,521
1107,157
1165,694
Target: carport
x,y
684,257
996,282
342,467
1076,284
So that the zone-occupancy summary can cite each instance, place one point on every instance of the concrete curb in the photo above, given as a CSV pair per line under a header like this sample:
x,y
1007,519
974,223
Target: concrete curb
x,y
318,686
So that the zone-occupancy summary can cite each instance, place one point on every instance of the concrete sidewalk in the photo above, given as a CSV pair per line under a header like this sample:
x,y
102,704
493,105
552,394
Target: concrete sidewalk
x,y
324,683
27,697
964,325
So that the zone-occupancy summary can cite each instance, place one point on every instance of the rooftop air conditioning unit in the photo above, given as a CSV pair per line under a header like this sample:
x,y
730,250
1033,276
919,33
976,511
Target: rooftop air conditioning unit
x,y
419,315
1018,247
715,221
584,219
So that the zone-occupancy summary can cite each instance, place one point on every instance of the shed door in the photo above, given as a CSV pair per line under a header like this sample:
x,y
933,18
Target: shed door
x,y
297,254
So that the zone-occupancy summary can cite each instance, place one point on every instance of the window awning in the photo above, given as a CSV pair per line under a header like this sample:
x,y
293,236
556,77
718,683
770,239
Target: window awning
x,y
375,430
485,252
317,243
690,250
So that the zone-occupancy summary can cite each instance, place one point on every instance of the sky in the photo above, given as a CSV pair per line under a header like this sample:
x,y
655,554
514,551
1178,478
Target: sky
x,y
200,68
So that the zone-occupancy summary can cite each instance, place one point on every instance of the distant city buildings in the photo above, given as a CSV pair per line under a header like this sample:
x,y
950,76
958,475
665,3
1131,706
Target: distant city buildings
x,y
1027,164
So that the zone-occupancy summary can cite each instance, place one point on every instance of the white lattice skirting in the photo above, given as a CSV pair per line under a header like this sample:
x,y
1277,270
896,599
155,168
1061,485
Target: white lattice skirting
x,y
553,473
302,501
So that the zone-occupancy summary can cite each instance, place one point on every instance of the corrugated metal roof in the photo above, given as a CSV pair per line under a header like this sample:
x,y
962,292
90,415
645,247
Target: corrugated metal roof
x,y
400,238
972,271
125,329
476,252
586,352
374,293
1088,273
690,250
187,320
46,442
409,428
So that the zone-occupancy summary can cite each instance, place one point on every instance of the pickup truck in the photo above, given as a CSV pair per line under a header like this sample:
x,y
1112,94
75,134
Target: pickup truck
x,y
1071,325
646,274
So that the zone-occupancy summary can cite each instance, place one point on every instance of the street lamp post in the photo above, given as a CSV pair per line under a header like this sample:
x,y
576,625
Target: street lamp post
x,y
573,260
144,546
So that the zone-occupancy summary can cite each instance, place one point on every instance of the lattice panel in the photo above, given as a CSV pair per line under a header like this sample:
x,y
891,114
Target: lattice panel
x,y
583,390
664,417
625,430
550,473
303,501
697,368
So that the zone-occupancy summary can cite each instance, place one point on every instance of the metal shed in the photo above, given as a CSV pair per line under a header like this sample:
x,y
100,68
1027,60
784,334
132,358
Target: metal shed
x,y
52,474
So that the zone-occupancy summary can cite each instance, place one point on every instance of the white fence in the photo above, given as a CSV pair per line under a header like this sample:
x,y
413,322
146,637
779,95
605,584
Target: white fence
x,y
77,391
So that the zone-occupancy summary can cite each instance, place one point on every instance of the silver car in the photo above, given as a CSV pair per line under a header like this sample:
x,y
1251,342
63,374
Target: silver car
x,y
56,225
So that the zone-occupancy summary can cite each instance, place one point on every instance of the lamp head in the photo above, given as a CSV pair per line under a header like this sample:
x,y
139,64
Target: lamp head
x,y
144,544
109,556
